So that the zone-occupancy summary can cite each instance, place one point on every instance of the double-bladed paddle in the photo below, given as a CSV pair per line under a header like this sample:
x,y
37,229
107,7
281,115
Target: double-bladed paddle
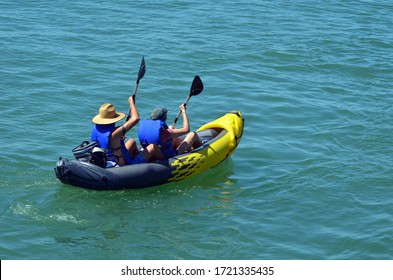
x,y
196,88
141,73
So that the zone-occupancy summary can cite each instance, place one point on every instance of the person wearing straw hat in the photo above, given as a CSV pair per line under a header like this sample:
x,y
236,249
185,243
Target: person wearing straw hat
x,y
112,138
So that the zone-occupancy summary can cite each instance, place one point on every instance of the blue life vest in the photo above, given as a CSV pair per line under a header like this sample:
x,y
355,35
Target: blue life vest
x,y
149,133
102,133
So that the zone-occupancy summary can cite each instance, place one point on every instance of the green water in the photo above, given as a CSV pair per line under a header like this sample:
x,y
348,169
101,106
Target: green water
x,y
311,178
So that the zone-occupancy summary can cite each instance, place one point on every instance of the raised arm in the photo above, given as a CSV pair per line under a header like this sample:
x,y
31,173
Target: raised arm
x,y
133,120
176,132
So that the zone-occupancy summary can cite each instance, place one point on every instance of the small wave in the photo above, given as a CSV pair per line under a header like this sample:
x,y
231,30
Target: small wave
x,y
32,212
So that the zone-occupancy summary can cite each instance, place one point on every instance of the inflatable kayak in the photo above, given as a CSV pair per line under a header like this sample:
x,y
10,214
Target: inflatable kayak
x,y
219,137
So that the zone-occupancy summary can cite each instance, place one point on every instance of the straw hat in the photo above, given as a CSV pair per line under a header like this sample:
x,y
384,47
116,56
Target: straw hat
x,y
107,115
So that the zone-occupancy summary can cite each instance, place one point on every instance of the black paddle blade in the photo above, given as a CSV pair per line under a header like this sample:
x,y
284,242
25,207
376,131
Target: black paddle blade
x,y
196,86
142,70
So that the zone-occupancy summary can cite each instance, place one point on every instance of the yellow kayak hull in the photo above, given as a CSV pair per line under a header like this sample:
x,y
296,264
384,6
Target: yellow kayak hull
x,y
196,162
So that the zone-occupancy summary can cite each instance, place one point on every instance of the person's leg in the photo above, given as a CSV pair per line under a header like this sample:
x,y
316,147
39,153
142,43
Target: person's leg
x,y
196,142
152,152
191,141
176,142
132,147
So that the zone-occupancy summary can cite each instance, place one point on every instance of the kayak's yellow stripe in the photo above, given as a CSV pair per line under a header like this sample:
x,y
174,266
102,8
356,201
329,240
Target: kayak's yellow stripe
x,y
191,164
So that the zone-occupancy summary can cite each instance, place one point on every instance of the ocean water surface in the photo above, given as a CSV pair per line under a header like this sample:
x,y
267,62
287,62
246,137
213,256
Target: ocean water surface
x,y
311,178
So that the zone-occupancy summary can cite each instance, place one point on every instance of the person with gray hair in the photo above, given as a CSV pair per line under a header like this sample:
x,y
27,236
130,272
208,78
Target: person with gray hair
x,y
156,131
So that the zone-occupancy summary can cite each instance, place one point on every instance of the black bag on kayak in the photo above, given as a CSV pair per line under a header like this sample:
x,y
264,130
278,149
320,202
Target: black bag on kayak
x,y
83,152
91,152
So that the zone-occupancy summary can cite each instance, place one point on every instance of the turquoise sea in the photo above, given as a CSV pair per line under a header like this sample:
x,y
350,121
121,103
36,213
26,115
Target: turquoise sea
x,y
311,178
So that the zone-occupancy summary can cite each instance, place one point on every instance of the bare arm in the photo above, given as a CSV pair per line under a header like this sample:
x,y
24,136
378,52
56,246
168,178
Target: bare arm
x,y
176,132
134,119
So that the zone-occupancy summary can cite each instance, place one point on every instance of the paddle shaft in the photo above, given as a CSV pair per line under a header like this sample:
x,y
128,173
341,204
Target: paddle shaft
x,y
141,73
133,97
196,88
178,115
